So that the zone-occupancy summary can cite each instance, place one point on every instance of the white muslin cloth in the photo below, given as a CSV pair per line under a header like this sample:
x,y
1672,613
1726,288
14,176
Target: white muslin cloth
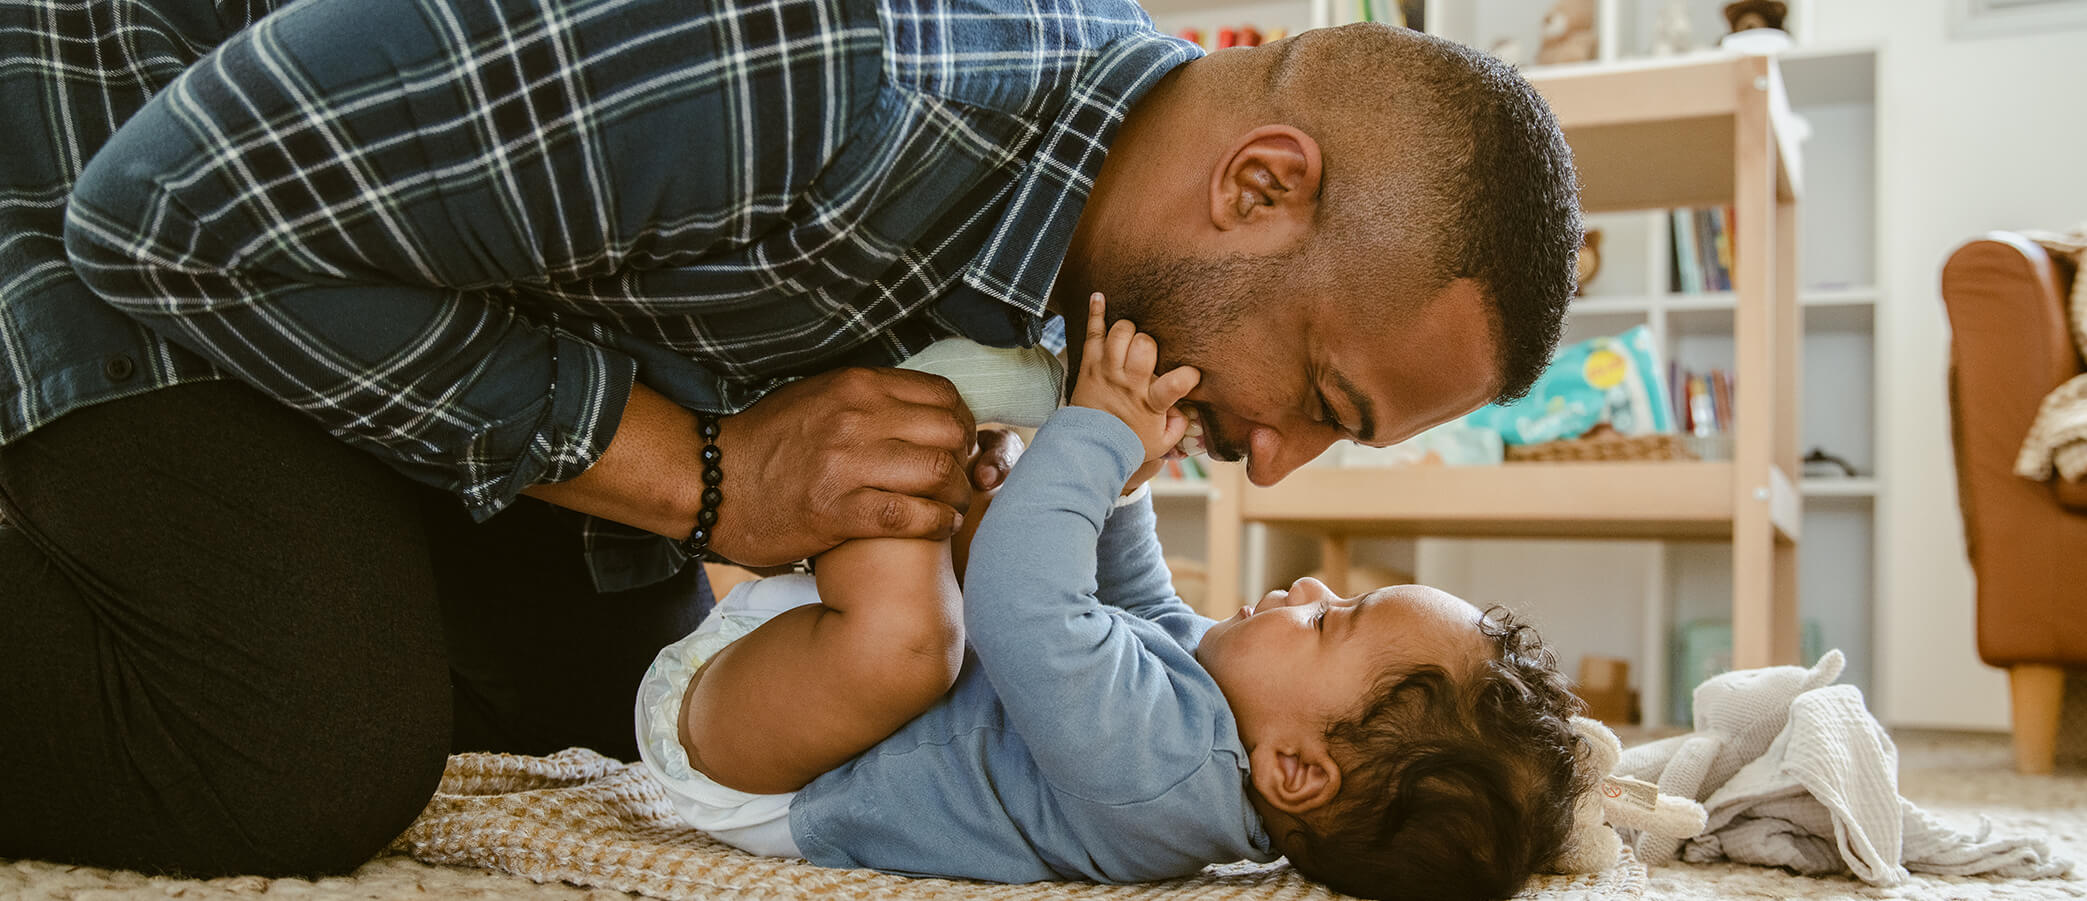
x,y
1822,796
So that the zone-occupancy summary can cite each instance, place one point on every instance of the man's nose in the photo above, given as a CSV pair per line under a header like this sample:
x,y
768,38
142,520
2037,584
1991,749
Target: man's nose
x,y
1273,455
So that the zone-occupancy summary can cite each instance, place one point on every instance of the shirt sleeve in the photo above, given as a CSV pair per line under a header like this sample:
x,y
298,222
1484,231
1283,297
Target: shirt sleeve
x,y
357,206
1131,567
1061,662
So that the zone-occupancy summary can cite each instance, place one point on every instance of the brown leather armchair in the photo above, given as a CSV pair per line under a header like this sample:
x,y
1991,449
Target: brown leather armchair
x,y
2027,540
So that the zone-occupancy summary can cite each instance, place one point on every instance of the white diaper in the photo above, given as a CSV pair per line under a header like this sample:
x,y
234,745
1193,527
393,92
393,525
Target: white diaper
x,y
757,824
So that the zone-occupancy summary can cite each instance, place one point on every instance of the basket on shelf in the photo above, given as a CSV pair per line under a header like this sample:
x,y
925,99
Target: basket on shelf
x,y
1602,445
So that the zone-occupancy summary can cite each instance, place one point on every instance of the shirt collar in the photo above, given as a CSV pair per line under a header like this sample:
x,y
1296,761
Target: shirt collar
x,y
1020,260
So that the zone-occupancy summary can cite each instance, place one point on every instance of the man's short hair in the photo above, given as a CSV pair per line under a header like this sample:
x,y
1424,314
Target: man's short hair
x,y
1447,160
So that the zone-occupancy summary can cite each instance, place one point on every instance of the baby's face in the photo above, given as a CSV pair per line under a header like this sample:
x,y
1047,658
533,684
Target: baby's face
x,y
1309,655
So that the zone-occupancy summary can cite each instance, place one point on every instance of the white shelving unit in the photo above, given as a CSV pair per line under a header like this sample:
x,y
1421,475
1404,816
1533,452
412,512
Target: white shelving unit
x,y
1625,595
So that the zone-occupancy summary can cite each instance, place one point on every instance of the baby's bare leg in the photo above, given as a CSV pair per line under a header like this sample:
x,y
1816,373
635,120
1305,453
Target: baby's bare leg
x,y
821,683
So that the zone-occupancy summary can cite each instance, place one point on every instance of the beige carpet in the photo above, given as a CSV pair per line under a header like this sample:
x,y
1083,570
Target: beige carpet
x,y
1958,777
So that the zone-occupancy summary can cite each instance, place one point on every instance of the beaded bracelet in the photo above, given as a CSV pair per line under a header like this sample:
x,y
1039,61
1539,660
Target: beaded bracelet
x,y
713,476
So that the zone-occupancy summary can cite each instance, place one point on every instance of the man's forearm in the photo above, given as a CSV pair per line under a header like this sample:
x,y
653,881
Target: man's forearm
x,y
649,477
849,453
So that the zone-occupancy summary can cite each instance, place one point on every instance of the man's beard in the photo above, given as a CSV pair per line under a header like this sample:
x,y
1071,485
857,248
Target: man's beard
x,y
1192,307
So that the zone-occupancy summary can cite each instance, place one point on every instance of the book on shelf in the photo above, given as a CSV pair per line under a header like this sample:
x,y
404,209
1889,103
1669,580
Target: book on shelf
x,y
1721,228
1700,250
1706,248
1702,401
1721,399
1184,469
1687,269
1702,415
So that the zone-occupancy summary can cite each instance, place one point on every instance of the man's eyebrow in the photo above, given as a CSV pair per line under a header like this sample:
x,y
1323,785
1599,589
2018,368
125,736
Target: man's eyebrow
x,y
1367,434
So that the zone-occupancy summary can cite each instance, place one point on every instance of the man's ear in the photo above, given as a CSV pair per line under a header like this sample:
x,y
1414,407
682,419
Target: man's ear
x,y
1295,778
1270,176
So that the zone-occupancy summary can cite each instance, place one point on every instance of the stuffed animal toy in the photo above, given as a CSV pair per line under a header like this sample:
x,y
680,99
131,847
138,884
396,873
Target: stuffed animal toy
x,y
1746,15
1737,715
1673,34
1617,802
1568,33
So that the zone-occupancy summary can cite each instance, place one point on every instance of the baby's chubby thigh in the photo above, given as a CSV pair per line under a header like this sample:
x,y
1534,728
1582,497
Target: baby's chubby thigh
x,y
757,823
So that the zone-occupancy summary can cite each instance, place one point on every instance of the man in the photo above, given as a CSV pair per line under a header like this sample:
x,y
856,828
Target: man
x,y
542,273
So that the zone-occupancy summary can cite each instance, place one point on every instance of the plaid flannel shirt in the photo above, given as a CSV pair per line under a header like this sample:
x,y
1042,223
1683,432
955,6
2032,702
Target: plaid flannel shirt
x,y
455,231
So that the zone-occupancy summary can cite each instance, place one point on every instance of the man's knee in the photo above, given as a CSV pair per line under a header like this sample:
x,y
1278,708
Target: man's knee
x,y
375,800
353,812
335,789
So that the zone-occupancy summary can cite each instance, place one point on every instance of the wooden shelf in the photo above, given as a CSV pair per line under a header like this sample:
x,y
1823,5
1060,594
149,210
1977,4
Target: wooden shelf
x,y
1170,487
1661,133
1860,487
1843,310
1814,302
1527,500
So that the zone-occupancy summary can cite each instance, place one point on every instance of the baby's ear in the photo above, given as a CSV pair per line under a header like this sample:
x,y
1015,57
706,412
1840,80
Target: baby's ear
x,y
1295,778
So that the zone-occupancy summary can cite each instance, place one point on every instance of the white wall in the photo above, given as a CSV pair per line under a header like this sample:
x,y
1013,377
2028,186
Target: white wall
x,y
1972,135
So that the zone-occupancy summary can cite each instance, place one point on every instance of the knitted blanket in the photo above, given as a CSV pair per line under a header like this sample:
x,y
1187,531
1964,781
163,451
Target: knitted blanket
x,y
582,818
2057,440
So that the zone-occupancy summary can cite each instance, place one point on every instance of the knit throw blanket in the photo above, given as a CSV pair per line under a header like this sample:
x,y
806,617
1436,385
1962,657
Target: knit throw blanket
x,y
2057,440
582,818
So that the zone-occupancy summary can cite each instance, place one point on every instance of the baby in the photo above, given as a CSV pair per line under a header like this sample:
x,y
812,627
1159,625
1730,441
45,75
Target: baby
x,y
1065,716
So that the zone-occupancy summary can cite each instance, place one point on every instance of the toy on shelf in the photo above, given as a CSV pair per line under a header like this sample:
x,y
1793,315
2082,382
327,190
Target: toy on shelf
x,y
1588,264
1818,464
1673,35
1604,686
1757,26
1746,15
1509,51
1568,33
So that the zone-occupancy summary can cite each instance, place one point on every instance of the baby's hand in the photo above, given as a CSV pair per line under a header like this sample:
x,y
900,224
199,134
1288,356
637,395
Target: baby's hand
x,y
1116,376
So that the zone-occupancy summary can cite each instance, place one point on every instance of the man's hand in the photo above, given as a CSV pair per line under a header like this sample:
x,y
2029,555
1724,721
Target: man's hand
x,y
853,453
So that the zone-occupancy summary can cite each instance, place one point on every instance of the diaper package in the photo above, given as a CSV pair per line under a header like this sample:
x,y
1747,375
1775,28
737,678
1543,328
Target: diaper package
x,y
1614,380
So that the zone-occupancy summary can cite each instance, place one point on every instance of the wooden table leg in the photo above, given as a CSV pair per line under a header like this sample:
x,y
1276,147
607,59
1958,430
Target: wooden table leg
x,y
1334,561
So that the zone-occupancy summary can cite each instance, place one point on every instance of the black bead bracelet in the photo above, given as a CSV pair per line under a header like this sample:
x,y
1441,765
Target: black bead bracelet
x,y
713,476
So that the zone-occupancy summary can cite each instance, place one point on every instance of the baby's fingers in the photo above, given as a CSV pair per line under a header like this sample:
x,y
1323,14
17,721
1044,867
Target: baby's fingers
x,y
1144,355
1177,426
1169,389
1097,325
1120,336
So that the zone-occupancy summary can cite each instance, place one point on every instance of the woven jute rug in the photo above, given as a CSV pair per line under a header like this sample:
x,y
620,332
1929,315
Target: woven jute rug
x,y
583,819
581,827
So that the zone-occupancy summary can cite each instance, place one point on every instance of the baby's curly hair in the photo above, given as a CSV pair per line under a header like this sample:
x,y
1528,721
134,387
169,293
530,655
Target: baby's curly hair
x,y
1454,785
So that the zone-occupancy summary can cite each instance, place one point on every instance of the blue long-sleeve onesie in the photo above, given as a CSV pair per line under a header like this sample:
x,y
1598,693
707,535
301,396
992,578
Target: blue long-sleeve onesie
x,y
1082,739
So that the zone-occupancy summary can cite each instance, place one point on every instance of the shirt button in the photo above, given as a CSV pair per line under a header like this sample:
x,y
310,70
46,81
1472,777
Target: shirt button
x,y
118,368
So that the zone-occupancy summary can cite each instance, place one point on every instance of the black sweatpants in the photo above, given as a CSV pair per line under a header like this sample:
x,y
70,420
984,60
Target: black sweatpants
x,y
230,643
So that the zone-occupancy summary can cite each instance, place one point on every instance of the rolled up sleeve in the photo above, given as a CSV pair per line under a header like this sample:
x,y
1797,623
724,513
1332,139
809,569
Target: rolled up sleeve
x,y
340,204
